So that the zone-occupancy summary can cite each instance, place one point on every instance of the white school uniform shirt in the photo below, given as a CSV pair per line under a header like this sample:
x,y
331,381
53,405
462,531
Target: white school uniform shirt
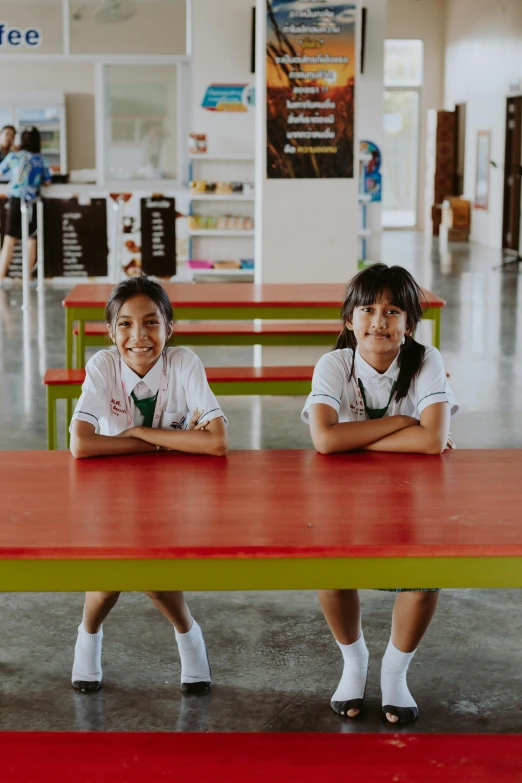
x,y
102,401
330,386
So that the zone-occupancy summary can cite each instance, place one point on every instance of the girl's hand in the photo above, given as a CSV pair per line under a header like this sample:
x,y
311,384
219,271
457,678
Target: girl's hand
x,y
133,432
193,423
451,443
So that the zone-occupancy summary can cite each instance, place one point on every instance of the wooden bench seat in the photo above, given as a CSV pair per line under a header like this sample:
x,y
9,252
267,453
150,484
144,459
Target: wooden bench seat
x,y
66,385
224,333
132,757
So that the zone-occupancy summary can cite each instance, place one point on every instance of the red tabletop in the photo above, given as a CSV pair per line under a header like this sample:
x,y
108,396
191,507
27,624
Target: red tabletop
x,y
257,758
233,295
261,504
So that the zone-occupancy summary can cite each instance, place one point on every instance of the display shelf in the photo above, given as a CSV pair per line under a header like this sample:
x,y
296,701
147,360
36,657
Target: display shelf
x,y
221,272
205,156
221,233
220,197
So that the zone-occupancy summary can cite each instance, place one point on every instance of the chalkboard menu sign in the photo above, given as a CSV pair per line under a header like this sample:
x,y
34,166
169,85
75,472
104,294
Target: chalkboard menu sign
x,y
75,238
15,268
158,236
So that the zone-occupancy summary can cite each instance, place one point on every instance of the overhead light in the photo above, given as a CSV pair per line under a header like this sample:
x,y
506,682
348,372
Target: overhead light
x,y
112,11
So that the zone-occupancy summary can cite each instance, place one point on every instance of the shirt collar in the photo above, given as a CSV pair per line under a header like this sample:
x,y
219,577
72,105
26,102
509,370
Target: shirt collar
x,y
366,371
151,380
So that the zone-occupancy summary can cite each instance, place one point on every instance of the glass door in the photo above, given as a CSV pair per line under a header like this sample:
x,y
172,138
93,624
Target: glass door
x,y
400,158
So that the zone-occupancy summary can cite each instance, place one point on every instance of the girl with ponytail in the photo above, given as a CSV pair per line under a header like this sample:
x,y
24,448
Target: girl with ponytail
x,y
380,390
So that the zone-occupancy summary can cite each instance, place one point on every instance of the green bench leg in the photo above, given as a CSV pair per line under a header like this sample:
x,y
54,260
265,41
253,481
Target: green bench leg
x,y
68,392
433,314
69,323
51,418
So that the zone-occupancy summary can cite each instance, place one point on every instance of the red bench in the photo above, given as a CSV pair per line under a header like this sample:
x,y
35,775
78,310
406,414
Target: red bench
x,y
225,333
66,385
236,758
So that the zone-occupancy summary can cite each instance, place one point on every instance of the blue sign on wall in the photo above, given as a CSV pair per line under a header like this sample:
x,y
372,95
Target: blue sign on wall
x,y
228,97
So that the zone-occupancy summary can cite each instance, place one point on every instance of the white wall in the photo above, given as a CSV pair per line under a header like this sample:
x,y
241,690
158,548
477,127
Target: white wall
x,y
425,21
221,54
157,27
307,229
483,58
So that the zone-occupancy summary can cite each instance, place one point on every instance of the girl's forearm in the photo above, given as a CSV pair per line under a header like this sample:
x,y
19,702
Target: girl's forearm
x,y
189,441
418,440
351,435
106,445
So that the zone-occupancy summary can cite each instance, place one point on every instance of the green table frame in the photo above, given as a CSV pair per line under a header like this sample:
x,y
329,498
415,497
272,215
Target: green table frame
x,y
84,314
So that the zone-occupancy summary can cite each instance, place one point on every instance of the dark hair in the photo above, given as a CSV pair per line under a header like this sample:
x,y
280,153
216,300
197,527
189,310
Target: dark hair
x,y
133,287
8,127
31,140
367,287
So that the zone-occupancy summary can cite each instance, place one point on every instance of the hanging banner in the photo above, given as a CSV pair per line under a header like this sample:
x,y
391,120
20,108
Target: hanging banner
x,y
310,89
75,238
158,236
15,267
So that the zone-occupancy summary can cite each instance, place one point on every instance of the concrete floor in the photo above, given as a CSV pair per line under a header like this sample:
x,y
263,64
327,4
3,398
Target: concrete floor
x,y
274,662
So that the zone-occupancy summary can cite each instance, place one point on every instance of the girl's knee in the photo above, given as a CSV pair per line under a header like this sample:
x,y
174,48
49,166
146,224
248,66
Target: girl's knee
x,y
106,597
337,593
423,596
154,595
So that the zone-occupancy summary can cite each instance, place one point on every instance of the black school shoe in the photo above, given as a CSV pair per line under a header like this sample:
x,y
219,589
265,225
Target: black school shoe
x,y
404,714
87,687
342,707
202,686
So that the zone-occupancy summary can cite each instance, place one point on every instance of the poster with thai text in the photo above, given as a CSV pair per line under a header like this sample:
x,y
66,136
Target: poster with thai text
x,y
310,89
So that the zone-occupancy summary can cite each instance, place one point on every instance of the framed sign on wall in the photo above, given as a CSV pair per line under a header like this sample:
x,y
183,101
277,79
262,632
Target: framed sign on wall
x,y
482,178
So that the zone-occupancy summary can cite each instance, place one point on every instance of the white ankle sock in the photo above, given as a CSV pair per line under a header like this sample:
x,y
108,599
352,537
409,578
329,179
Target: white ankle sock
x,y
87,656
393,678
355,671
193,653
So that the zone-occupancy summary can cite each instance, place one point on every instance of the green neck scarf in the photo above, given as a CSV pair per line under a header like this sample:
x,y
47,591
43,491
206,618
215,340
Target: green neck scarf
x,y
375,413
146,408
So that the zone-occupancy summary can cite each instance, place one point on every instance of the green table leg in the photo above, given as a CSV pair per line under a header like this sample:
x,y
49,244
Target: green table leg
x,y
436,327
433,314
69,323
80,344
51,418
68,417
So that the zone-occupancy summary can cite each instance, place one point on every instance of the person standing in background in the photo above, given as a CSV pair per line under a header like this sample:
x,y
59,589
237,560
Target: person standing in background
x,y
7,139
28,173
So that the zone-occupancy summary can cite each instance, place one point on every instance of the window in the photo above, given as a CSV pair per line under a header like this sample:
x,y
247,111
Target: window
x,y
141,112
403,65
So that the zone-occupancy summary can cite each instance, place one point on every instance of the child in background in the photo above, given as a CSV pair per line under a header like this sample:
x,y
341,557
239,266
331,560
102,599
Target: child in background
x,y
141,396
28,173
380,390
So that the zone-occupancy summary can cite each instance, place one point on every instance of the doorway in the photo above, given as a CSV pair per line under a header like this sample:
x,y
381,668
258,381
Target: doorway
x,y
512,176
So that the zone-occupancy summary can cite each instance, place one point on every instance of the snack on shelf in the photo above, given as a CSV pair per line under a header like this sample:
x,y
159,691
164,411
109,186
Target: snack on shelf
x,y
223,188
197,143
198,186
200,264
227,265
247,263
